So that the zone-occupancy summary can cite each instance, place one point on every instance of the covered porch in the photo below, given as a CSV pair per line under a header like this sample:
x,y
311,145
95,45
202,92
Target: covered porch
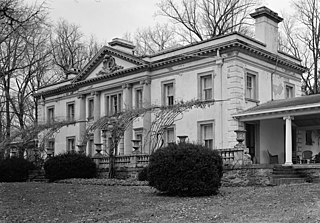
x,y
283,131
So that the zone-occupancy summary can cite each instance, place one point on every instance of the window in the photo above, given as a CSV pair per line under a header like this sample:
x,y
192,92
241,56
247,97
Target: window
x,y
90,108
206,134
139,98
169,135
139,136
51,144
50,114
71,144
113,103
309,137
70,111
206,89
289,91
168,94
251,86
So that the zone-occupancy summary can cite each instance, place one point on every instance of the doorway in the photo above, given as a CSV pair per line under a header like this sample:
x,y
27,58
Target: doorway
x,y
251,140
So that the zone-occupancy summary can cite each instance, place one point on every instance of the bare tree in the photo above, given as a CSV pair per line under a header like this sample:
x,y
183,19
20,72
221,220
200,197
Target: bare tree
x,y
151,40
69,49
204,19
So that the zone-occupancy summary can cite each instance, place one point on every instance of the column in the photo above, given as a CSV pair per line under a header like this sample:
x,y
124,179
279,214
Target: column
x,y
288,158
43,110
146,99
221,120
82,122
97,111
125,142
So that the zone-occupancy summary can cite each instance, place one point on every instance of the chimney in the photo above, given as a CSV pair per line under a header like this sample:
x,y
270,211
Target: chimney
x,y
122,45
266,27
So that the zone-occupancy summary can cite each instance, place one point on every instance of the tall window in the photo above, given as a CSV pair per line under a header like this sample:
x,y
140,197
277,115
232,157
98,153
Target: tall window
x,y
206,89
169,135
50,114
139,98
289,91
168,94
138,134
90,108
70,111
71,144
206,134
113,103
51,144
251,86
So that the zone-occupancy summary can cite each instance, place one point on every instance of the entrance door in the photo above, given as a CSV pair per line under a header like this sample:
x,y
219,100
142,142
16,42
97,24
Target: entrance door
x,y
251,140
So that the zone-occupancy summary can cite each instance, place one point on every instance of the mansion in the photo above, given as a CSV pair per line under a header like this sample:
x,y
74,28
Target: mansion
x,y
248,79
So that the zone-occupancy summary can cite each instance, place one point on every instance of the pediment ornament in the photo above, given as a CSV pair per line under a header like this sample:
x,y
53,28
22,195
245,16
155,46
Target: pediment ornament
x,y
109,65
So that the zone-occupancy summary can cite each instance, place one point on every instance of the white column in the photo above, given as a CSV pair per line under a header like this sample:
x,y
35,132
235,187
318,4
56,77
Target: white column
x,y
125,144
288,160
146,101
82,121
97,108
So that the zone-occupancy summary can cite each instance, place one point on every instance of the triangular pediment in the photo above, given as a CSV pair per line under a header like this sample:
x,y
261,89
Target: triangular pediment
x,y
107,61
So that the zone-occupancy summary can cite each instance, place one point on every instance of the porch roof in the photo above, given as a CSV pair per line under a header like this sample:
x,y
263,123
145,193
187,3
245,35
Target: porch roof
x,y
304,105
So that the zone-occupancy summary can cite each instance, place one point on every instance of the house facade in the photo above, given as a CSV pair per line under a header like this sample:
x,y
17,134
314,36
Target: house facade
x,y
237,72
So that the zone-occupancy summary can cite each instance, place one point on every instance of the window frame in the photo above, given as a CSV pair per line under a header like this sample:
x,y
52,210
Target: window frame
x,y
292,88
165,100
201,137
166,135
90,109
73,138
254,82
71,117
138,98
139,132
51,146
201,87
50,119
109,103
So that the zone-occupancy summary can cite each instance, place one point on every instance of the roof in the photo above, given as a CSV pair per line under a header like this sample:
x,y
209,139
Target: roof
x,y
293,105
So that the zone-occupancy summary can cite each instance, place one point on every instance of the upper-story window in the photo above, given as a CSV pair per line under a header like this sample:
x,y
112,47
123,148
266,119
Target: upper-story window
x,y
90,108
168,94
206,87
113,103
206,133
251,86
70,111
50,114
71,144
138,98
289,91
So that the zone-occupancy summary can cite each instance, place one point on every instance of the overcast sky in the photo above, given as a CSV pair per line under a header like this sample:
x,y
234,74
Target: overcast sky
x,y
107,19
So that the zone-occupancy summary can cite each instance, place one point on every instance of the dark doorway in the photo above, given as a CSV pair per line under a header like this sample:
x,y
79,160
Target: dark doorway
x,y
251,140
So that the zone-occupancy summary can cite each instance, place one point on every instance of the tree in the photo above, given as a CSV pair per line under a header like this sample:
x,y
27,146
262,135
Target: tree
x,y
151,40
69,49
302,39
204,19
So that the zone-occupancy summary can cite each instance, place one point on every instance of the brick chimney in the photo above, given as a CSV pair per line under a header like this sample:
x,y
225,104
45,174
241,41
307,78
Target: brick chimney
x,y
122,45
266,27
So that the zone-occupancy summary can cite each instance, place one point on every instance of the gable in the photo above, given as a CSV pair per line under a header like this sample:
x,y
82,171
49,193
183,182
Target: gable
x,y
106,61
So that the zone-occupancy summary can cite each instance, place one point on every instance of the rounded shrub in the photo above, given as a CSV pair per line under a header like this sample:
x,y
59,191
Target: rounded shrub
x,y
185,169
143,174
70,165
14,169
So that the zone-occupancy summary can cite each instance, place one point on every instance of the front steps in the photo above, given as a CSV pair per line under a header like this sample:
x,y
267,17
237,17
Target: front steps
x,y
37,176
289,175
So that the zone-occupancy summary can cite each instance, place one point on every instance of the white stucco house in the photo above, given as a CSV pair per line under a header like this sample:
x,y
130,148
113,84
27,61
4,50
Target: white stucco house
x,y
255,86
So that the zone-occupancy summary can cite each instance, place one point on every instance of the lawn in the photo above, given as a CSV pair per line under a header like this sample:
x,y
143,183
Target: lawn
x,y
62,202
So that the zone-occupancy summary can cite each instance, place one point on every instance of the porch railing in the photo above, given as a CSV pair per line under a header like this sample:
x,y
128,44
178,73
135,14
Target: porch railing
x,y
230,156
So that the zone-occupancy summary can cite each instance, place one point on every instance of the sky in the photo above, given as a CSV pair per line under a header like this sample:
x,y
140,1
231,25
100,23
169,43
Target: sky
x,y
108,19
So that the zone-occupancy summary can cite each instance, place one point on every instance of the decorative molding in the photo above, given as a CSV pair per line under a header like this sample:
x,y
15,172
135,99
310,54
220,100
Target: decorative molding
x,y
109,65
288,118
126,85
146,81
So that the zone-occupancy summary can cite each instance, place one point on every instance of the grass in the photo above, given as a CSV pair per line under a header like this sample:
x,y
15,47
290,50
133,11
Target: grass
x,y
80,201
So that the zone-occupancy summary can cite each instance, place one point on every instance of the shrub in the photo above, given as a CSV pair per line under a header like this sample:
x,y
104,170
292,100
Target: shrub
x,y
143,174
14,169
70,165
186,170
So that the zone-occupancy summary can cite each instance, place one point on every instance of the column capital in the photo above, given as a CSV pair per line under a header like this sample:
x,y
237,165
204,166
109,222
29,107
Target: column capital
x,y
124,86
288,118
81,96
95,93
146,81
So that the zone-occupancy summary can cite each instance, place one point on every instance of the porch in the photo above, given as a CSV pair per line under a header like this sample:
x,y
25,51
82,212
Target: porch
x,y
287,131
